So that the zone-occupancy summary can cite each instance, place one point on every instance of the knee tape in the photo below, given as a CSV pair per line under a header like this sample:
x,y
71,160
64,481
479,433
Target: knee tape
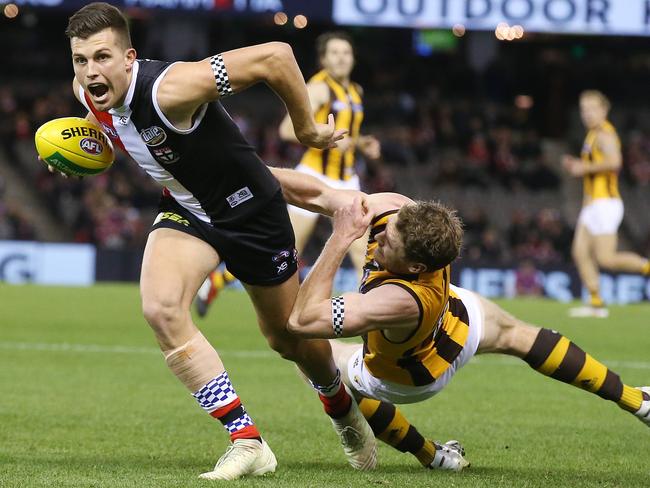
x,y
194,363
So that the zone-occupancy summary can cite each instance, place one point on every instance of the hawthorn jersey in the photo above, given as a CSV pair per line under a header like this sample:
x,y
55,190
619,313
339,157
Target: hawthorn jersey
x,y
209,168
347,107
603,184
440,335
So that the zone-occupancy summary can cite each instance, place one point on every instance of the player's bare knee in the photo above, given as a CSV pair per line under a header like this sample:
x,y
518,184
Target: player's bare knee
x,y
519,338
162,314
507,336
578,253
285,345
606,261
504,333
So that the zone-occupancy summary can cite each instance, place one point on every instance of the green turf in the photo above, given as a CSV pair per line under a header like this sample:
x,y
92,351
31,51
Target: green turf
x,y
86,401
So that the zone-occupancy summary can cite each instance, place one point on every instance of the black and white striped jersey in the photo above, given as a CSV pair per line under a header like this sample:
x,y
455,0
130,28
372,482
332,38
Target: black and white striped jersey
x,y
210,169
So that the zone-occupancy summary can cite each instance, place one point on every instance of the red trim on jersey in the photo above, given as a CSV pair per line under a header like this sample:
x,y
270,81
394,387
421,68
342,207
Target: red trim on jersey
x,y
106,120
166,192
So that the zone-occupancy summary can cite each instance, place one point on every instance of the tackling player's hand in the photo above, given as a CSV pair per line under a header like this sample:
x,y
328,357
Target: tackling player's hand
x,y
352,221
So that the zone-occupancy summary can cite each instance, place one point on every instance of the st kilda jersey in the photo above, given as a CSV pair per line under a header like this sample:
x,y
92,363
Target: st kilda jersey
x,y
210,169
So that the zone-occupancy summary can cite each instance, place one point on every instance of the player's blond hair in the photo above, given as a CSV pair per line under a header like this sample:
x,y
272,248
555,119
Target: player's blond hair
x,y
597,95
96,17
432,233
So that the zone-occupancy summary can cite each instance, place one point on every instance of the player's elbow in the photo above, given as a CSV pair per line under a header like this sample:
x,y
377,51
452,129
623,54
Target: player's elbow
x,y
294,326
281,50
280,56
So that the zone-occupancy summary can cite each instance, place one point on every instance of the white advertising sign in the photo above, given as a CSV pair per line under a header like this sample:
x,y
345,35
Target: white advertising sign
x,y
609,17
47,264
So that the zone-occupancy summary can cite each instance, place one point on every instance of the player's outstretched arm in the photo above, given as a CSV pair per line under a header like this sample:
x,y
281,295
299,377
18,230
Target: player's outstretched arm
x,y
310,193
187,86
354,314
317,314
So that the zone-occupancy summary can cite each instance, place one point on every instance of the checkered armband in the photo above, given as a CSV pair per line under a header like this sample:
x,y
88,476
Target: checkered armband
x,y
220,75
338,315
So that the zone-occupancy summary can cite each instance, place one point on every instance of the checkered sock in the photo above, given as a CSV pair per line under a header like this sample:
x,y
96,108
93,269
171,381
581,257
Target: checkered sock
x,y
219,399
335,398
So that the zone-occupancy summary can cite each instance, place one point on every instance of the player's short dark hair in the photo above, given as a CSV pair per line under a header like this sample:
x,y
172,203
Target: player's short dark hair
x,y
96,17
431,232
323,39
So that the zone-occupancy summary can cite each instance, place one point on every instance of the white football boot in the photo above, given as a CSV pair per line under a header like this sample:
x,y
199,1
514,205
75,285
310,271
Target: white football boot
x,y
449,456
589,311
244,457
357,438
643,413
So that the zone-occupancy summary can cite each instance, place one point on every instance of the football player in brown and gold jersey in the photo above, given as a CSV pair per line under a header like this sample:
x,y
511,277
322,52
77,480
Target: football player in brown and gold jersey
x,y
418,329
595,240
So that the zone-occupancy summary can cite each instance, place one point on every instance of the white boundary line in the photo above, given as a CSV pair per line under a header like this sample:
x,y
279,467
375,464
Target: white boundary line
x,y
494,359
116,349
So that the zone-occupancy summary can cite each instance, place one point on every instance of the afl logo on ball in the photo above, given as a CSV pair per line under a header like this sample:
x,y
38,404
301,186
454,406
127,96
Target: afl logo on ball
x,y
153,136
91,146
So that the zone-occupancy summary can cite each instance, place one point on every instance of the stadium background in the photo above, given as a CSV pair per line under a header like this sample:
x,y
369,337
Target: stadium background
x,y
473,120
462,116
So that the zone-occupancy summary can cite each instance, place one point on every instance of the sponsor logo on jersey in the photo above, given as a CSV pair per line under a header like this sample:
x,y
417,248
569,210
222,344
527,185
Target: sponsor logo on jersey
x,y
91,146
239,197
153,136
174,217
165,155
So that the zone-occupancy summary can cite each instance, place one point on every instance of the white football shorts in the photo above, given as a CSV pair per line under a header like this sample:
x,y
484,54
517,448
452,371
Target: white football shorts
x,y
367,385
602,216
351,184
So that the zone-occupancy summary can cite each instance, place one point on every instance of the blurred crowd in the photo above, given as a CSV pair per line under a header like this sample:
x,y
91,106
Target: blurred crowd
x,y
15,223
493,145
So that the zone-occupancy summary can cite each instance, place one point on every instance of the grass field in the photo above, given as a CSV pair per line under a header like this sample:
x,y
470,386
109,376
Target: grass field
x,y
86,401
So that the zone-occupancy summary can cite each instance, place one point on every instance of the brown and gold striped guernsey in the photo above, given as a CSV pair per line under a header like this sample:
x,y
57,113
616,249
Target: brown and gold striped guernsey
x,y
603,184
346,105
442,330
